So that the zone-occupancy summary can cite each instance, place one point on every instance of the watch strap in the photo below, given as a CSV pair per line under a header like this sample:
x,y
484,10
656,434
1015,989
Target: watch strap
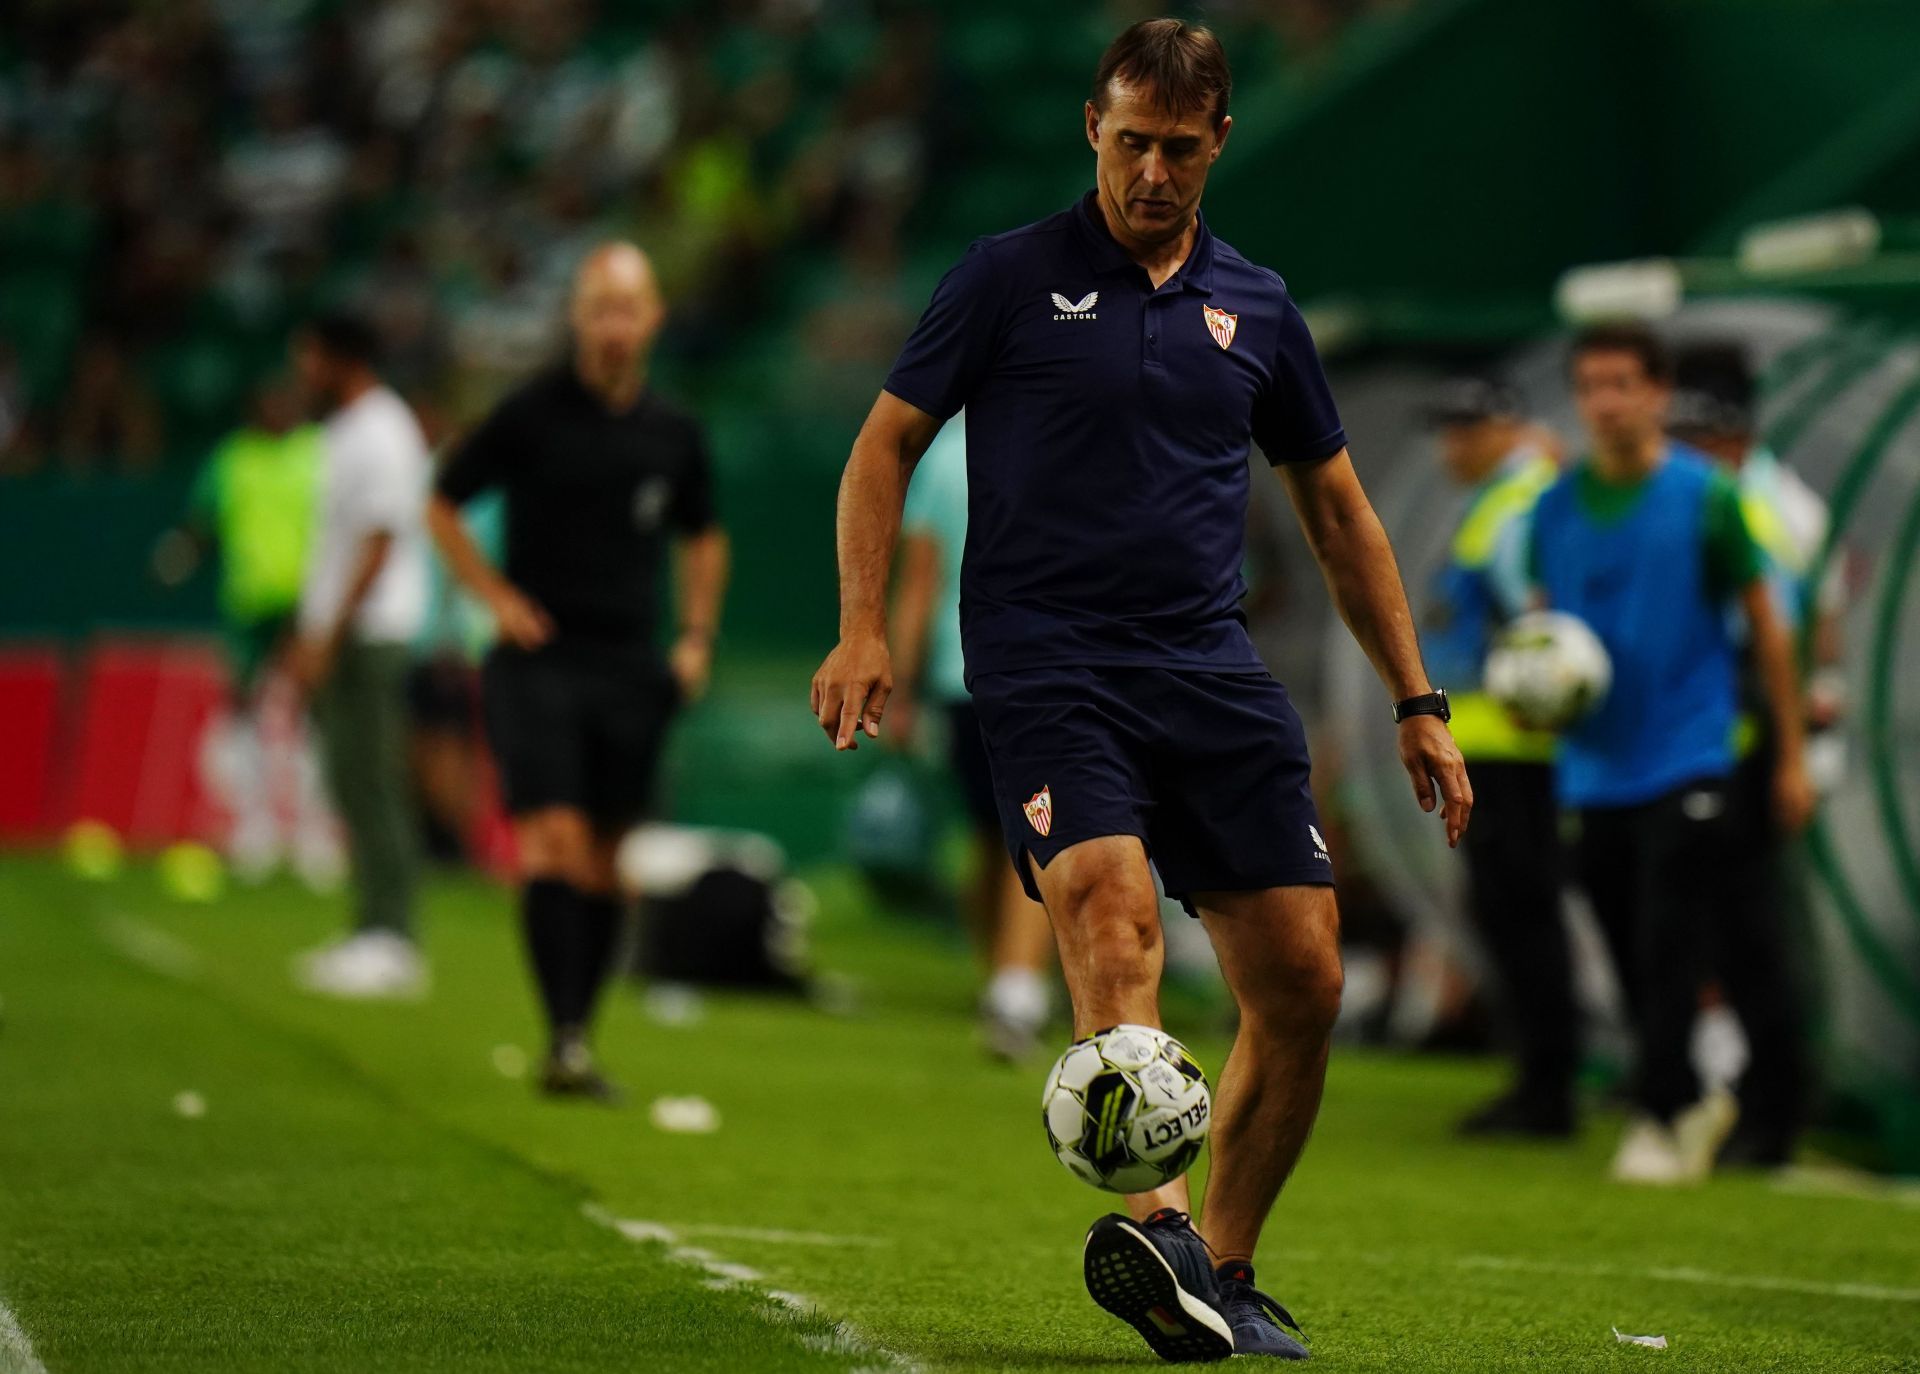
x,y
1432,703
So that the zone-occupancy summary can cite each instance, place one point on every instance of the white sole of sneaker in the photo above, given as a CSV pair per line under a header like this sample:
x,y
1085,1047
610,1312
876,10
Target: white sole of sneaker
x,y
1126,1276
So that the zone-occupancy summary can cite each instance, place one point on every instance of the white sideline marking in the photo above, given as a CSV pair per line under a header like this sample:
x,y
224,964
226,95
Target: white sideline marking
x,y
1871,1292
1767,1283
723,1274
771,1237
151,948
1854,1184
16,1351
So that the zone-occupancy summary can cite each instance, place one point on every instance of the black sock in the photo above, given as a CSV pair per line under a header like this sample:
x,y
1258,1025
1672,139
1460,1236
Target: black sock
x,y
571,939
550,919
600,939
1238,1269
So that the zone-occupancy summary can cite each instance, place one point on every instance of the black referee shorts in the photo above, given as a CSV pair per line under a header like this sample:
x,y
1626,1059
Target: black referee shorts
x,y
578,726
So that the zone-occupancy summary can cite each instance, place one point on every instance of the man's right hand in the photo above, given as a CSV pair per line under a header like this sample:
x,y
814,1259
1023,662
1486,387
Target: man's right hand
x,y
519,618
851,689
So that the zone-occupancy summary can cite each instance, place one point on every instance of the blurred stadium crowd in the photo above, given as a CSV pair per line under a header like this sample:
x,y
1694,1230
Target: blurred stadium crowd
x,y
180,182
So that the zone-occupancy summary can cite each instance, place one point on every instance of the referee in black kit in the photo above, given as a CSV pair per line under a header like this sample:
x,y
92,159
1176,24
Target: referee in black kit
x,y
597,471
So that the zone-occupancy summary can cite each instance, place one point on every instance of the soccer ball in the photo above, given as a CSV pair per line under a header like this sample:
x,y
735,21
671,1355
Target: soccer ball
x,y
1127,1110
1549,669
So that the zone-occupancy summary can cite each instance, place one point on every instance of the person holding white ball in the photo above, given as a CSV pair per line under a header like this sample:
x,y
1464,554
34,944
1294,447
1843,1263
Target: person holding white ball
x,y
1644,540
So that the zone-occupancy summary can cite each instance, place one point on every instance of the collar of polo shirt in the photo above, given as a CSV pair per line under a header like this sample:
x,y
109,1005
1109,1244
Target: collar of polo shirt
x,y
1108,257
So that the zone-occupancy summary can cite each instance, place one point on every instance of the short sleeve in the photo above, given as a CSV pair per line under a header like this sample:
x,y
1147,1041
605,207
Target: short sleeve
x,y
388,496
482,459
1734,560
1295,419
947,355
693,504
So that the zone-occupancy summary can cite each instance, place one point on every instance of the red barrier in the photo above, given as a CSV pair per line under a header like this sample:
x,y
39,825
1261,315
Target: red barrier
x,y
143,709
30,695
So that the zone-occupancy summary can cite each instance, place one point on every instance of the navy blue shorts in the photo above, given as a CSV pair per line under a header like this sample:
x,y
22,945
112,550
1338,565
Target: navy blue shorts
x,y
1209,769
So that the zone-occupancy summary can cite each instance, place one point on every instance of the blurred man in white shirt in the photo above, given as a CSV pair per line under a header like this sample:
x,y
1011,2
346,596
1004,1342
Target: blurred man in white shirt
x,y
365,596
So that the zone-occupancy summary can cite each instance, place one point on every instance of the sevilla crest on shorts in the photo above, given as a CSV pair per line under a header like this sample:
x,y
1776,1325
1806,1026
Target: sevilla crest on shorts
x,y
1039,809
1220,324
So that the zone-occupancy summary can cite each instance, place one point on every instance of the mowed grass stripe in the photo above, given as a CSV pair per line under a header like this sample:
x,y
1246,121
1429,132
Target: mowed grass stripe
x,y
303,1224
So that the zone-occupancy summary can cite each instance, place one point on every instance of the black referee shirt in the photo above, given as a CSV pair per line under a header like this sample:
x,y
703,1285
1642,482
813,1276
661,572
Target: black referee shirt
x,y
591,497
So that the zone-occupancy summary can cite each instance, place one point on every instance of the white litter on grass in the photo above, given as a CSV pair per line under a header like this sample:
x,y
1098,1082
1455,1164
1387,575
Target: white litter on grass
x,y
16,1351
152,949
189,1104
674,1004
782,1305
684,1115
1650,1342
510,1060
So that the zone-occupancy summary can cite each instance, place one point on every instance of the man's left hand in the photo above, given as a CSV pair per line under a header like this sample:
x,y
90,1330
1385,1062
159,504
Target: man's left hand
x,y
1439,774
692,663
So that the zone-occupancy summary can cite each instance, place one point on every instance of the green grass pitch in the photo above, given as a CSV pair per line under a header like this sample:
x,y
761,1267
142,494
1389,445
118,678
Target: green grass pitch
x,y
367,1191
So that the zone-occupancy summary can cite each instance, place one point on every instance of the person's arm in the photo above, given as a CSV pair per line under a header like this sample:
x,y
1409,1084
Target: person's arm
x,y
701,561
1737,571
317,647
915,594
1357,561
479,462
850,690
517,616
1773,657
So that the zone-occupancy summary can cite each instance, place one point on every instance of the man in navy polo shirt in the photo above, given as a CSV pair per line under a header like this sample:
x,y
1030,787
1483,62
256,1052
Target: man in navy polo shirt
x,y
1115,361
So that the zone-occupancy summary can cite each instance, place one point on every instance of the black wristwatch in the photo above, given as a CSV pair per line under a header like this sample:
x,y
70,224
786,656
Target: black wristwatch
x,y
1432,703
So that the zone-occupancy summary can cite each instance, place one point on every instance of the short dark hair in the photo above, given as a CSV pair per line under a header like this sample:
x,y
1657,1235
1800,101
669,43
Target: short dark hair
x,y
1183,64
345,336
1624,336
1716,389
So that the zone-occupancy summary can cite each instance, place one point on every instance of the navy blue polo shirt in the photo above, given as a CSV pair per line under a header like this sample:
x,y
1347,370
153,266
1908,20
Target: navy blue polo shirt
x,y
1108,427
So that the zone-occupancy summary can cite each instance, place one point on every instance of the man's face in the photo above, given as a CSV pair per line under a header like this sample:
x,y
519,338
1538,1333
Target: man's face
x,y
314,367
1618,401
615,316
1151,166
277,408
1471,449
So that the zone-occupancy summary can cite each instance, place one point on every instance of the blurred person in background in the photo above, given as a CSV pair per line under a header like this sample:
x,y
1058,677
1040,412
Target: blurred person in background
x,y
361,607
1714,410
1645,541
254,504
601,476
1513,848
1117,362
930,674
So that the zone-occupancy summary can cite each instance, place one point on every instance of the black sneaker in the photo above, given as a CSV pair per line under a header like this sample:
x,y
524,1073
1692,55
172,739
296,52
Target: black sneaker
x,y
1260,1324
571,1072
1537,1117
1156,1276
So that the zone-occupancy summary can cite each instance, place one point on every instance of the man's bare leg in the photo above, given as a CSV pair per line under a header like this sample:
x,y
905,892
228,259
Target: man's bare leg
x,y
1280,952
1100,897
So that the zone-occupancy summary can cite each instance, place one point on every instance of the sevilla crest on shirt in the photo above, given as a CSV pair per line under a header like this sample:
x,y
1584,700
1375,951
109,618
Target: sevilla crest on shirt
x,y
1039,809
1220,324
